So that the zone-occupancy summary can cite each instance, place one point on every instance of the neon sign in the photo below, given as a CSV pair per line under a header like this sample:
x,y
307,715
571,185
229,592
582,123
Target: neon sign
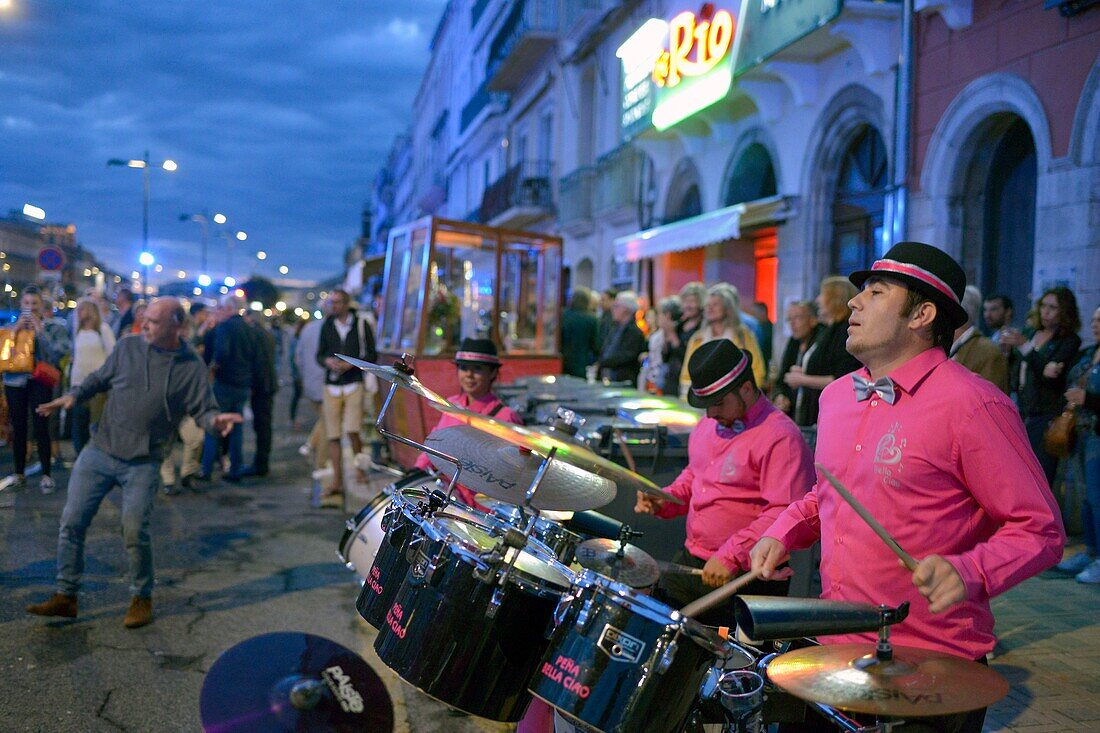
x,y
711,40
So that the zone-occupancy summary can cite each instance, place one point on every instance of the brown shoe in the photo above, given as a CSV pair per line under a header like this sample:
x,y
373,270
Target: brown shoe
x,y
140,613
58,605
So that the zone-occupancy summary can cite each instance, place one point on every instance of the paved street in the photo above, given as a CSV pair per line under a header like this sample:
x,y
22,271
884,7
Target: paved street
x,y
237,561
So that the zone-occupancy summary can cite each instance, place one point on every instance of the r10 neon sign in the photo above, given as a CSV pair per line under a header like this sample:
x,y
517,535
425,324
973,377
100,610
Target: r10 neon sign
x,y
707,40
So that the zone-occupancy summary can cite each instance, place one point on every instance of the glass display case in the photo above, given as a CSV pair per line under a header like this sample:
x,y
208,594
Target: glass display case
x,y
449,280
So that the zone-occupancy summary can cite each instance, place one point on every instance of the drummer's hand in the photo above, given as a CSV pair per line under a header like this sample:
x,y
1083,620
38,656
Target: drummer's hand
x,y
715,573
768,554
647,504
939,582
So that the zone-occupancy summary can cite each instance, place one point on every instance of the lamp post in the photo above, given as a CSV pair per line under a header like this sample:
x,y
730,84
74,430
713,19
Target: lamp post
x,y
143,164
146,259
240,237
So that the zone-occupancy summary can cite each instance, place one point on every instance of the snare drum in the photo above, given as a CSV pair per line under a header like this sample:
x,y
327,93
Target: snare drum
x,y
621,662
459,632
562,542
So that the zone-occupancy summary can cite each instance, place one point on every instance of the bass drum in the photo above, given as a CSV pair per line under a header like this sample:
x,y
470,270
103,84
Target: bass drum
x,y
460,634
621,662
363,534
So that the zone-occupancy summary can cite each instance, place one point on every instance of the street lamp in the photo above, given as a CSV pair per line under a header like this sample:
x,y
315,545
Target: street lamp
x,y
283,269
143,164
145,259
240,237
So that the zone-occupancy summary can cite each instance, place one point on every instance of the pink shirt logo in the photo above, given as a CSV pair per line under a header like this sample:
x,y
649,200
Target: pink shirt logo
x,y
888,455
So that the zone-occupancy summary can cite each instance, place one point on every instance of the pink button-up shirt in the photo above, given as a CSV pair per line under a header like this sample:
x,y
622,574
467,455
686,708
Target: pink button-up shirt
x,y
484,406
947,470
738,480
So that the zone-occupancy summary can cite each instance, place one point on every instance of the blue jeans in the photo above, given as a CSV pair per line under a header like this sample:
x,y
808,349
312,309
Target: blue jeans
x,y
230,399
94,474
1088,459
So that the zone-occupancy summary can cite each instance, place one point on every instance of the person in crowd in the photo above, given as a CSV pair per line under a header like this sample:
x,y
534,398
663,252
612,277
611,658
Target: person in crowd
x,y
938,456
1084,395
606,316
343,332
49,306
93,342
973,350
25,391
230,350
478,370
199,319
826,360
997,314
746,463
1045,355
151,383
313,387
624,344
766,334
722,319
662,375
802,320
580,333
124,318
139,317
265,383
189,435
692,297
295,375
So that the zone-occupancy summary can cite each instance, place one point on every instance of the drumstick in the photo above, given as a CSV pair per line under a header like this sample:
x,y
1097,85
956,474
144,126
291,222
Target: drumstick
x,y
870,520
718,595
676,569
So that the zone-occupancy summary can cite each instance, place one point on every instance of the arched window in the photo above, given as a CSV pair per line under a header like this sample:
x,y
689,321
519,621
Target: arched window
x,y
752,177
691,204
859,203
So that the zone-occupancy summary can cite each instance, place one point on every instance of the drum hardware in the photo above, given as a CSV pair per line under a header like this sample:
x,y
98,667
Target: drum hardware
x,y
741,695
869,519
766,618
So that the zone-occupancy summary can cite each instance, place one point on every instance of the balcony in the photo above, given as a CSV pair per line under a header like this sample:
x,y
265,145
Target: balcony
x,y
521,196
617,180
483,98
575,201
527,34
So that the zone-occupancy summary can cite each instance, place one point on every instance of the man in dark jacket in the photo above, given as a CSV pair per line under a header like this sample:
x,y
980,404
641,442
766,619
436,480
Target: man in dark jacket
x,y
625,342
343,332
802,319
151,383
579,333
231,352
265,383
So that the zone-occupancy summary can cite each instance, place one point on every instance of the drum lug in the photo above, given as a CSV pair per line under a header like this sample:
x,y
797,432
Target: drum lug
x,y
583,615
666,657
494,603
350,525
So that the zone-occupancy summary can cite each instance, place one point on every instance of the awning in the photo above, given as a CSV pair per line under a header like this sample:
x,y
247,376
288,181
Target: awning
x,y
699,231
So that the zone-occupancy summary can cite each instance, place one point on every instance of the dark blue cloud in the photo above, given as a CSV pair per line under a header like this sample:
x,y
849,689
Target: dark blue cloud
x,y
278,114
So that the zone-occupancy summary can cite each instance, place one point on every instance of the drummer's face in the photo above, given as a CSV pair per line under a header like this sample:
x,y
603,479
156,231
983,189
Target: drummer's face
x,y
729,409
476,379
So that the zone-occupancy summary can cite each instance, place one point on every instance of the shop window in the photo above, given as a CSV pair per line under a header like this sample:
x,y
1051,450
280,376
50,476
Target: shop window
x,y
859,203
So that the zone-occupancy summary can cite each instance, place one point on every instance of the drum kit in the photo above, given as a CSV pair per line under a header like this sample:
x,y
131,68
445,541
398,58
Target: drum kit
x,y
532,594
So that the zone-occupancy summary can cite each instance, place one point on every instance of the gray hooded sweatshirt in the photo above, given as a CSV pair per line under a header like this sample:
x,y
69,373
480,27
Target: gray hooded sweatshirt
x,y
149,390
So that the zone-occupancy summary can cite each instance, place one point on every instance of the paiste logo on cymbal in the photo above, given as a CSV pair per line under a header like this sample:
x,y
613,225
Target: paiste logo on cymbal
x,y
340,685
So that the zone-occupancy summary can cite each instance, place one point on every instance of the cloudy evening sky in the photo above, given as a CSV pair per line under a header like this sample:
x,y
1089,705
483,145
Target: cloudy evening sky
x,y
278,114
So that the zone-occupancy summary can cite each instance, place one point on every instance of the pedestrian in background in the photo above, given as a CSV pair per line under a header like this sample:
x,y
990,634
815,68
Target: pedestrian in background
x,y
230,352
802,320
580,333
265,383
124,317
93,342
295,375
722,319
973,350
313,388
625,343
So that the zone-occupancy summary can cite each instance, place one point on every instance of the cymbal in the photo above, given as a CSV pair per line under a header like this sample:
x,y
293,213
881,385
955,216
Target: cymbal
x,y
293,682
396,376
635,568
915,683
567,452
500,470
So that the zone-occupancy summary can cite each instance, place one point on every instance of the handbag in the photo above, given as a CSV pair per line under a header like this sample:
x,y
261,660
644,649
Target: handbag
x,y
46,374
16,350
1060,438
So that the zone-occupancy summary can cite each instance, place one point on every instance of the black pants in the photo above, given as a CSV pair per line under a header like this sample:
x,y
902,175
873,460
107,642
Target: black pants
x,y
679,589
261,424
295,398
22,403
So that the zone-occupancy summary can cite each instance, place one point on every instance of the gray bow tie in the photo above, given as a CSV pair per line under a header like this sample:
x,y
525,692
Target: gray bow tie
x,y
884,386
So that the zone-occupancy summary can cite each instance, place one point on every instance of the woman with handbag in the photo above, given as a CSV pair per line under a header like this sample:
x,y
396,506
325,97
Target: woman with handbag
x,y
1045,358
25,391
92,344
1084,396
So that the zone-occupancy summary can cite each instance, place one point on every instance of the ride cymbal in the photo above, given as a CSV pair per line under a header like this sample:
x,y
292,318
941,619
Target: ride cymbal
x,y
914,683
567,452
293,682
396,376
635,568
499,469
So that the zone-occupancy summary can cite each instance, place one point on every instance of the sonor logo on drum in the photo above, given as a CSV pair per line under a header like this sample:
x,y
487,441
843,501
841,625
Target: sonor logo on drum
x,y
620,646
340,684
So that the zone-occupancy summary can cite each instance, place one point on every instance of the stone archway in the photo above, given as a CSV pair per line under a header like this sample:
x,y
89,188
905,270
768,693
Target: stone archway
x,y
684,198
750,173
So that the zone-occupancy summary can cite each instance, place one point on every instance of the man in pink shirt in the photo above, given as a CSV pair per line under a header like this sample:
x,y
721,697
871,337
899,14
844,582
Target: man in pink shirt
x,y
747,462
937,455
478,368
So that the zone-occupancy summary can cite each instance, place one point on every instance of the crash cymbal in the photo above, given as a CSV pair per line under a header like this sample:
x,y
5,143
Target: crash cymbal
x,y
499,469
567,452
635,568
293,682
915,683
396,376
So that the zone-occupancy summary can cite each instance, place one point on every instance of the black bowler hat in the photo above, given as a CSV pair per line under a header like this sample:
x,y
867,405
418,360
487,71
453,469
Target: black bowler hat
x,y
928,270
477,351
717,368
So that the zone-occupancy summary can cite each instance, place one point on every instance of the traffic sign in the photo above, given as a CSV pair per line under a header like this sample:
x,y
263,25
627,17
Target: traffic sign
x,y
51,259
